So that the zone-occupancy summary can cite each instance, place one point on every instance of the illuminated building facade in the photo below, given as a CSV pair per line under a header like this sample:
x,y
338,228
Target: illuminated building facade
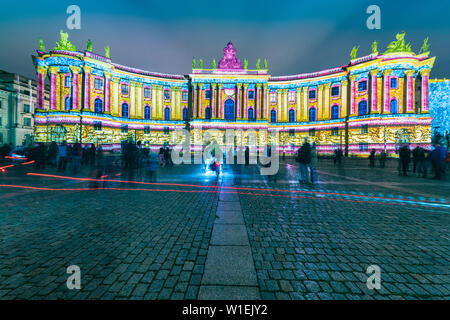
x,y
373,102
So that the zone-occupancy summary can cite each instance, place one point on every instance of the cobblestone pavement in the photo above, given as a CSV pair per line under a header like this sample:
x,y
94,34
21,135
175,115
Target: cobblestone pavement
x,y
306,242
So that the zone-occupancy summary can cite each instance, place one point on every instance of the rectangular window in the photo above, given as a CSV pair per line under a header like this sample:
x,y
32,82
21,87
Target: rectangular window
x,y
67,81
146,129
273,97
362,85
98,84
364,129
363,146
0,121
166,130
184,95
124,89
312,132
335,91
335,131
26,108
291,133
291,96
147,93
166,94
97,125
124,128
251,94
207,94
27,122
394,83
312,94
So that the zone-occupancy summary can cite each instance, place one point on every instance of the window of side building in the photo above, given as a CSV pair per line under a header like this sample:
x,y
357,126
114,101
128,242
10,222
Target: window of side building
x,y
147,92
335,91
97,125
291,96
273,97
362,85
167,94
124,128
98,84
251,94
26,108
184,95
312,94
27,122
394,83
124,89
364,129
67,81
312,132
146,129
335,131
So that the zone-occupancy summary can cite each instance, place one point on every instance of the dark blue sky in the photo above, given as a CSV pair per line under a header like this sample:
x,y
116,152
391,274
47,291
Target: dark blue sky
x,y
163,36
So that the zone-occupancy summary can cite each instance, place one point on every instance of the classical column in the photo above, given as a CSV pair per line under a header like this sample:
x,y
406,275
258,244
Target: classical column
x,y
326,107
409,90
115,104
173,102
40,92
352,95
213,100
266,102
75,92
220,102
60,101
154,109
245,115
373,91
258,101
320,102
107,88
200,99
53,83
285,104
87,87
298,100
343,111
305,104
160,102
280,106
139,106
238,103
132,95
386,86
194,100
425,74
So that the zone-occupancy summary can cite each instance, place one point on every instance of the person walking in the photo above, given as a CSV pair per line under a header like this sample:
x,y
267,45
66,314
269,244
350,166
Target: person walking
x,y
382,159
152,166
92,155
405,158
62,156
76,158
313,164
372,158
438,157
304,159
247,156
161,156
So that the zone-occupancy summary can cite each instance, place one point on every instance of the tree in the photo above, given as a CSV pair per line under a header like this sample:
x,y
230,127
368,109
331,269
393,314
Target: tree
x,y
64,43
41,45
194,63
214,64
200,63
258,63
89,45
245,64
265,64
107,52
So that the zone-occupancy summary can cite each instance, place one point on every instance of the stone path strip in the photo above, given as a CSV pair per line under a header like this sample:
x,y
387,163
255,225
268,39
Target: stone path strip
x,y
229,269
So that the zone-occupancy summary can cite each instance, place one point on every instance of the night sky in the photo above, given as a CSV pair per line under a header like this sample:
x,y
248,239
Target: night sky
x,y
163,36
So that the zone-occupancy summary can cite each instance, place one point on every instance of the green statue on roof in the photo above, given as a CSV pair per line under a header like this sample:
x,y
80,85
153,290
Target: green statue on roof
x,y
245,64
214,64
400,45
41,45
194,63
107,52
89,45
64,43
374,46
425,46
354,52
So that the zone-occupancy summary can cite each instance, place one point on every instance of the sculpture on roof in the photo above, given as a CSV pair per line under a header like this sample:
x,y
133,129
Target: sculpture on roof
x,y
229,60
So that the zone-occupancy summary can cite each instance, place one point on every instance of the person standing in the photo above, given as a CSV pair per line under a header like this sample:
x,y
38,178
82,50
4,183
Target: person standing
x,y
161,156
92,154
247,156
405,158
372,158
438,156
62,154
52,153
382,159
76,158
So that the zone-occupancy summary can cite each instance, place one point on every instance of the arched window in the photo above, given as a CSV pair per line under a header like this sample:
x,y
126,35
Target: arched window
x,y
394,106
98,107
273,116
167,114
229,109
362,108
251,115
334,112
185,114
147,113
125,110
312,114
208,113
68,104
292,115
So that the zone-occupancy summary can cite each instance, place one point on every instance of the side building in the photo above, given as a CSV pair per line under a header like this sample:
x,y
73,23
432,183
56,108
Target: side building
x,y
374,102
17,105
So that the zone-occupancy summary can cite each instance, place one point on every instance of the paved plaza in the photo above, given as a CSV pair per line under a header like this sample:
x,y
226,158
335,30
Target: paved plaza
x,y
193,236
